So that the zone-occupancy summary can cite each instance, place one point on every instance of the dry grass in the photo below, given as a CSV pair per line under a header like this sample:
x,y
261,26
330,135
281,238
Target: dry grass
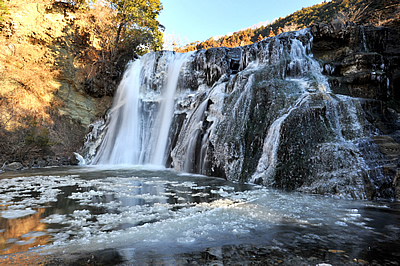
x,y
28,92
26,70
30,66
43,45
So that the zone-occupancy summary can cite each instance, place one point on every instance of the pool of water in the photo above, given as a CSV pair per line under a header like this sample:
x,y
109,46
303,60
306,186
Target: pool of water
x,y
144,215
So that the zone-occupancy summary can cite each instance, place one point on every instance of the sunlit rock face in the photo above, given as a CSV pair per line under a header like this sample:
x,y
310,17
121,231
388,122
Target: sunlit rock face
x,y
266,114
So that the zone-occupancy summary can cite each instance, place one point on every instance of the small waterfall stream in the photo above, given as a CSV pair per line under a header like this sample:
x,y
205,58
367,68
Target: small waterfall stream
x,y
266,164
301,65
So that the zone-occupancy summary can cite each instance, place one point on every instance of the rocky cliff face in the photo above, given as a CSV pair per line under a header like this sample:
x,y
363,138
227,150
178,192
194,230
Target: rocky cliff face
x,y
363,62
273,129
360,61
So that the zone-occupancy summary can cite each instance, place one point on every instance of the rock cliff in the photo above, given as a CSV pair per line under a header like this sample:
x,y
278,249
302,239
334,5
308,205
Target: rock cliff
x,y
343,141
363,62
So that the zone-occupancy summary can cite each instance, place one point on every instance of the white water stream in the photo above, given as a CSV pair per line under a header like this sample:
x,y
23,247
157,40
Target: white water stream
x,y
301,65
130,138
166,112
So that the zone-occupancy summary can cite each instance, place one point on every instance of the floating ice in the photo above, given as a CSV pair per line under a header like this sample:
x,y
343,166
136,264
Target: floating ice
x,y
13,214
55,218
34,234
171,213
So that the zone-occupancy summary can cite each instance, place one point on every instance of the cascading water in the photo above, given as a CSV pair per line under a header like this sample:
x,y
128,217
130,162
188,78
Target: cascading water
x,y
166,111
266,164
301,64
120,144
133,136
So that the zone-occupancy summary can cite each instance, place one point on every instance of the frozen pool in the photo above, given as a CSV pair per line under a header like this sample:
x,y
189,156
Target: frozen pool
x,y
154,216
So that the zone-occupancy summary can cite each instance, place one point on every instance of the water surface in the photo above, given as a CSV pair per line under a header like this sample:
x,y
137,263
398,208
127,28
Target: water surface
x,y
144,215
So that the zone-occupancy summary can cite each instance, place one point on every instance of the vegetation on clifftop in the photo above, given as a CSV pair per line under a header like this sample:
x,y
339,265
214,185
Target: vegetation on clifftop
x,y
131,24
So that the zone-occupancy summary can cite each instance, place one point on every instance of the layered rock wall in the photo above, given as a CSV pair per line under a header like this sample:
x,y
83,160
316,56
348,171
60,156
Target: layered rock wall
x,y
363,62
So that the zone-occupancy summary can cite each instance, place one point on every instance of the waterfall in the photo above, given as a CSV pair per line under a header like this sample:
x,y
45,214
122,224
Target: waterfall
x,y
195,124
133,136
262,113
166,112
121,141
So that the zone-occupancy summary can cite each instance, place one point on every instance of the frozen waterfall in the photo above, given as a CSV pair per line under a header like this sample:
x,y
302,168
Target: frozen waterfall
x,y
262,113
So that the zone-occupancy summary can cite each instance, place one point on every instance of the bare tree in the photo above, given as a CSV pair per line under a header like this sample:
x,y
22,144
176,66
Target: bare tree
x,y
291,27
353,14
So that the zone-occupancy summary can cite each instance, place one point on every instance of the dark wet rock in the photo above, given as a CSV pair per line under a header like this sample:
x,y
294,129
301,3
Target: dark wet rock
x,y
244,254
360,61
103,257
47,161
389,147
248,254
396,184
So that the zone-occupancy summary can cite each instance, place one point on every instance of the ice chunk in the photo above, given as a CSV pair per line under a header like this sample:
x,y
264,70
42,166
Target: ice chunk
x,y
81,160
13,214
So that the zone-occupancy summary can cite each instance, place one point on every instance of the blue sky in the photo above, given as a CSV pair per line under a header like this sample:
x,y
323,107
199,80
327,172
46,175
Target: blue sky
x,y
190,21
